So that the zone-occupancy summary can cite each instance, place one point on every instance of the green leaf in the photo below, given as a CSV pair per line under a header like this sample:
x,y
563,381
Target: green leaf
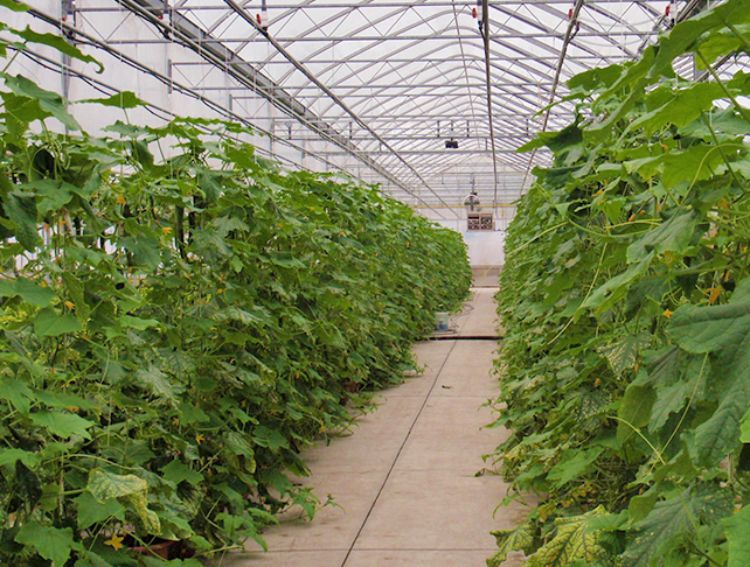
x,y
91,511
269,438
178,472
573,463
50,323
138,323
679,107
10,456
51,104
29,291
21,211
59,43
673,520
17,392
158,383
694,164
14,6
737,529
725,330
635,411
673,235
720,43
745,428
600,77
708,329
614,289
145,250
62,424
555,141
64,400
671,398
53,544
124,99
51,195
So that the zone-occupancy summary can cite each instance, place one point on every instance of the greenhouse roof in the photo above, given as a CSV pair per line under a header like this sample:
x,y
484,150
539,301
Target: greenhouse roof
x,y
383,88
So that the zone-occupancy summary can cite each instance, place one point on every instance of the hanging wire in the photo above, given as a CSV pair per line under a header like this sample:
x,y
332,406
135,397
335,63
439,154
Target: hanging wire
x,y
570,33
484,30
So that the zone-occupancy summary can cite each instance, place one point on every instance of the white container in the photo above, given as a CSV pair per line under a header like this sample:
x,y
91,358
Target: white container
x,y
442,321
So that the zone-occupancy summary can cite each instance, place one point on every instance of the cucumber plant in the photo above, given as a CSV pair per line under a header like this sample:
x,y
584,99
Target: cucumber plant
x,y
625,378
180,318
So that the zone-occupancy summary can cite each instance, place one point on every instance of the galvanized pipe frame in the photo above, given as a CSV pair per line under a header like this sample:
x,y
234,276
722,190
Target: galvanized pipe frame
x,y
108,89
240,12
436,93
220,7
315,153
340,39
439,72
293,108
309,62
497,66
512,93
461,109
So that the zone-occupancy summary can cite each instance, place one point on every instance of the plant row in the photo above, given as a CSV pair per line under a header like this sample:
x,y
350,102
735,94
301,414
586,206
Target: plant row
x,y
179,319
625,371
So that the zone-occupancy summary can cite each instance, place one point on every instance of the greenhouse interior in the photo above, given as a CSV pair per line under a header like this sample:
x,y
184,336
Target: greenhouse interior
x,y
372,283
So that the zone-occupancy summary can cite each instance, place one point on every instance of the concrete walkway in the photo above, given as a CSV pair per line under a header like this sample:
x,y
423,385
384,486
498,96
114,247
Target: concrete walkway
x,y
406,481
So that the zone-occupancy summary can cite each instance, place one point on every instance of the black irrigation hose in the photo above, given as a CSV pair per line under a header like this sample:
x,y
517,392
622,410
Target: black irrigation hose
x,y
465,338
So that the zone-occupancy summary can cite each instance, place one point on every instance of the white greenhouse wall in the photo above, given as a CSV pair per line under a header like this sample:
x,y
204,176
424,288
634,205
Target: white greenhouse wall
x,y
485,248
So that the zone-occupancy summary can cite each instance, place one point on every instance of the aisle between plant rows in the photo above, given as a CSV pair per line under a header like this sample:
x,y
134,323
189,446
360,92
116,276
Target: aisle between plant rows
x,y
405,483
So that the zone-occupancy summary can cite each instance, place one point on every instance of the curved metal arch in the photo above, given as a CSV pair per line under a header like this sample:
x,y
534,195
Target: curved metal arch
x,y
499,67
436,15
563,17
434,165
382,91
354,33
383,76
515,101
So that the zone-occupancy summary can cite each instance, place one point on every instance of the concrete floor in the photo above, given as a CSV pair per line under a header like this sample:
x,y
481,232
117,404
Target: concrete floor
x,y
486,276
405,483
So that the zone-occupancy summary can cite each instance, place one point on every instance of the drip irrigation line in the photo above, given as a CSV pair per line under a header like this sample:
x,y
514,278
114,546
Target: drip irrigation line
x,y
493,338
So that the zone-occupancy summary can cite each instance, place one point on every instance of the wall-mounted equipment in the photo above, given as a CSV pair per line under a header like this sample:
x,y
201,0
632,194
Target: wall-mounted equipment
x,y
475,218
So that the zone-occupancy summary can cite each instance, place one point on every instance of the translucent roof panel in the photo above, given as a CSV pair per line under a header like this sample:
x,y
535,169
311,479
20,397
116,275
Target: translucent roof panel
x,y
395,92
402,78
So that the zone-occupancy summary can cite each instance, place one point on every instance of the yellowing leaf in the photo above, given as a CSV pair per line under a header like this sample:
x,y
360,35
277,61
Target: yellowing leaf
x,y
573,542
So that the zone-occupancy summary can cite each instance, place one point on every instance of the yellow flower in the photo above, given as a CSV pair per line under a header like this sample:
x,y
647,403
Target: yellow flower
x,y
714,293
115,542
69,304
667,313
120,200
166,230
200,438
